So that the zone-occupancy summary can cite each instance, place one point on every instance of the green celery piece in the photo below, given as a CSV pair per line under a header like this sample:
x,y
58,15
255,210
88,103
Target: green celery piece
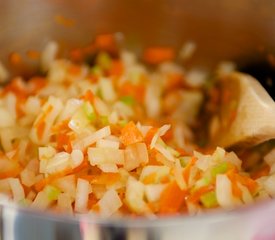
x,y
104,120
89,111
122,123
184,161
219,169
209,199
52,192
128,100
104,60
96,70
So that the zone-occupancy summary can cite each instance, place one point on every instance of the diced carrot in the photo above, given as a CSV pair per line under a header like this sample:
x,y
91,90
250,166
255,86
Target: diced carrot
x,y
10,173
33,54
40,129
41,124
187,169
62,140
105,42
43,182
156,55
150,179
130,134
172,198
174,81
76,55
135,90
152,157
16,86
92,201
236,191
195,197
149,135
182,151
37,83
15,58
117,68
74,70
88,96
168,135
248,182
61,127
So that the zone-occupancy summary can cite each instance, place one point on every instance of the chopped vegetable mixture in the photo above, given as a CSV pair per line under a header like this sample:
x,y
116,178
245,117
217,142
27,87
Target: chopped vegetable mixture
x,y
102,133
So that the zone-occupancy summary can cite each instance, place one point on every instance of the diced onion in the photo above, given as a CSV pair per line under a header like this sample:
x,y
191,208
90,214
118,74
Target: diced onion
x,y
98,156
134,196
153,191
109,203
17,189
92,138
48,55
224,191
135,154
83,189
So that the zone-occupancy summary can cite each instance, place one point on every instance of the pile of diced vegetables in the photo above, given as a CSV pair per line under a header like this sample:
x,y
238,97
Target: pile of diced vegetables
x,y
112,136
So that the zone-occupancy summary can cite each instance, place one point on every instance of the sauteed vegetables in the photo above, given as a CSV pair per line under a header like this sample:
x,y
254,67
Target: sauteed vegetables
x,y
100,132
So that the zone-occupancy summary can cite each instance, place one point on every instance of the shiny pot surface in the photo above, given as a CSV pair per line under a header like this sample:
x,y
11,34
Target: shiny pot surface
x,y
222,29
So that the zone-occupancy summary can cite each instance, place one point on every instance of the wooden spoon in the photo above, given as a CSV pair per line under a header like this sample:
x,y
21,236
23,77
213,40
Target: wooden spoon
x,y
246,115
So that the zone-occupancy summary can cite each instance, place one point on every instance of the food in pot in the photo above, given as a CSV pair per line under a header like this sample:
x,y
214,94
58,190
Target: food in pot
x,y
100,132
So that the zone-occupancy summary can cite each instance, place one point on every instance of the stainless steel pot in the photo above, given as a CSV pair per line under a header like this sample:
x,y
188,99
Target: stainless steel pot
x,y
242,31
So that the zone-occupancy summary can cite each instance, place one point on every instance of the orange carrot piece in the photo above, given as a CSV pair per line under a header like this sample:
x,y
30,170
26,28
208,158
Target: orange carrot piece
x,y
130,134
236,191
33,54
150,179
171,199
105,42
149,135
117,68
88,96
10,173
156,55
248,182
37,83
136,91
15,58
74,70
187,169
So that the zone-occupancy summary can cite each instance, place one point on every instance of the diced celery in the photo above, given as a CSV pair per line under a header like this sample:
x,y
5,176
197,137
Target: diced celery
x,y
104,120
209,199
219,169
52,192
89,111
184,161
122,123
104,60
128,100
173,151
96,70
99,93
